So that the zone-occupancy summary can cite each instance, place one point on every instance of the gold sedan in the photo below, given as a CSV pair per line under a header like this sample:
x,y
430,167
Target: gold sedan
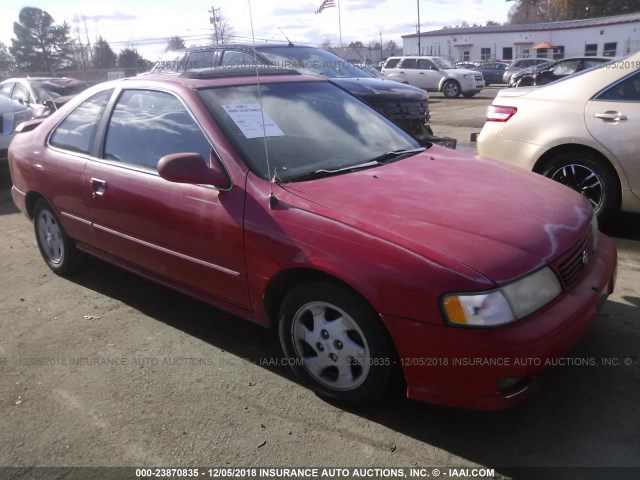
x,y
582,131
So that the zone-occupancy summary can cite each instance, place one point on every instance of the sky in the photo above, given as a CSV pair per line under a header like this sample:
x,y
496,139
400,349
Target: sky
x,y
147,25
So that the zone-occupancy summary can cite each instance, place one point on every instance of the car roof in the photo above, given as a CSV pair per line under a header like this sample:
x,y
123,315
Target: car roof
x,y
218,77
246,46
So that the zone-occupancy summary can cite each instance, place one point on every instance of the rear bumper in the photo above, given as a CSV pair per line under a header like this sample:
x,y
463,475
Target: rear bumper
x,y
20,199
461,367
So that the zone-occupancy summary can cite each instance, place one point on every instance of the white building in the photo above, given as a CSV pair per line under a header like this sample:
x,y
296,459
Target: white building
x,y
605,36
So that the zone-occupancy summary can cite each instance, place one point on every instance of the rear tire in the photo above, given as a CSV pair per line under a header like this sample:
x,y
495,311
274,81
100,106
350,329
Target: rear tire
x,y
587,174
335,343
57,249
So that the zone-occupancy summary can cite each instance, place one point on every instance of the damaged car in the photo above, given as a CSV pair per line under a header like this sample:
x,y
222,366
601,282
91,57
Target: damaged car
x,y
44,95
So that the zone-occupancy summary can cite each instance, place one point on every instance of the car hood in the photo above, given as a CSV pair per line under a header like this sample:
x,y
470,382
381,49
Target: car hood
x,y
501,221
380,88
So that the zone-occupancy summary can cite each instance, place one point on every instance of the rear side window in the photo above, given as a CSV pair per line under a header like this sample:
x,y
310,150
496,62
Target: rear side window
x,y
234,58
424,64
77,131
627,90
409,63
147,125
6,89
206,59
20,92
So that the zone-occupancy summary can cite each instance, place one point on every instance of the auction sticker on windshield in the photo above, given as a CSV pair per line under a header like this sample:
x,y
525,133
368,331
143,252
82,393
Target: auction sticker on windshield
x,y
249,118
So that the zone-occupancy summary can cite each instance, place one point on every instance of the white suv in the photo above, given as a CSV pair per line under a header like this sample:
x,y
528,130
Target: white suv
x,y
434,74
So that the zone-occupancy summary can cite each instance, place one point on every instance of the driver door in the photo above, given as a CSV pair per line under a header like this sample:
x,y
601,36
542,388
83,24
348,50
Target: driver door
x,y
189,235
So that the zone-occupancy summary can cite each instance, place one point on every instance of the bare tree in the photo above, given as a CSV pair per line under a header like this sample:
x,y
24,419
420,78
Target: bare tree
x,y
223,31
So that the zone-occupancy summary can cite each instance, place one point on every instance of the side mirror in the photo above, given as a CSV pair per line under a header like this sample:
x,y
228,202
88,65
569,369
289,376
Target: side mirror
x,y
191,168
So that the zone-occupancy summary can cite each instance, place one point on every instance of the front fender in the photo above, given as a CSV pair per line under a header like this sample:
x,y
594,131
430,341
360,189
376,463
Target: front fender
x,y
297,234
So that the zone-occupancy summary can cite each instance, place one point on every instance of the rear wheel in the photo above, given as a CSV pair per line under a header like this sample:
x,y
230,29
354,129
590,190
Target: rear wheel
x,y
335,343
586,173
57,249
451,89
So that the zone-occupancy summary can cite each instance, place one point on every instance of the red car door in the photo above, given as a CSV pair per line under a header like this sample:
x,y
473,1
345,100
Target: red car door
x,y
69,148
190,235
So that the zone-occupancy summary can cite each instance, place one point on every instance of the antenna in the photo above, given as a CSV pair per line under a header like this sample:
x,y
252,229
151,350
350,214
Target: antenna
x,y
285,36
272,198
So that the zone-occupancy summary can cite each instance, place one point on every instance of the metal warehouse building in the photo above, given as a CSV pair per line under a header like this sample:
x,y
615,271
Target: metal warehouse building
x,y
605,36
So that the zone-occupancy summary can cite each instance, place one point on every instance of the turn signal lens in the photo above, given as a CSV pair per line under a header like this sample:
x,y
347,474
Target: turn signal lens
x,y
498,113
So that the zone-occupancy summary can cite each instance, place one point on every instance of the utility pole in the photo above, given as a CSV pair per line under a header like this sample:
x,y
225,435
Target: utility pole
x,y
419,49
381,50
214,20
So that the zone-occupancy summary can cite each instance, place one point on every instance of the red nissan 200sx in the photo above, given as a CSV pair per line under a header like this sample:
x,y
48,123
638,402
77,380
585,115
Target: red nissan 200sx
x,y
293,204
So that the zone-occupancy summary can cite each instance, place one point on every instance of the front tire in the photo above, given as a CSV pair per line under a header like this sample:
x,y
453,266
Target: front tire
x,y
586,173
451,89
335,343
57,249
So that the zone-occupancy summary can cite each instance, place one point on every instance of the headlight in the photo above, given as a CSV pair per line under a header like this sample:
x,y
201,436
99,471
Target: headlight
x,y
595,231
469,76
505,305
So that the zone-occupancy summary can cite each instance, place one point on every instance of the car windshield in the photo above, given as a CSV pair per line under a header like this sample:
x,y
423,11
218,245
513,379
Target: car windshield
x,y
312,128
442,63
313,61
52,89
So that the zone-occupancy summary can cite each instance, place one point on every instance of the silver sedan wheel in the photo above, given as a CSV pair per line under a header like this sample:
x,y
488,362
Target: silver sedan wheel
x,y
50,237
581,179
332,346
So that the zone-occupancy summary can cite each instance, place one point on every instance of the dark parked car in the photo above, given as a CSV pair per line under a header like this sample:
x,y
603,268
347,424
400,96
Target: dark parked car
x,y
43,95
405,105
550,72
520,64
492,72
291,203
466,65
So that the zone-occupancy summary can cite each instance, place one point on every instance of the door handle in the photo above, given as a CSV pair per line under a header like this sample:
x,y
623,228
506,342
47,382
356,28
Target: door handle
x,y
98,186
611,116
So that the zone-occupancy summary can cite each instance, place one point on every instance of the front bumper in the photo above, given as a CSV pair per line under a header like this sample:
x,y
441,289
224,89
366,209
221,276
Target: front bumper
x,y
462,367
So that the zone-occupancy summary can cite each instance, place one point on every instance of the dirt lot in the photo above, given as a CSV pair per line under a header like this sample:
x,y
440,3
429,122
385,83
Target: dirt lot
x,y
107,369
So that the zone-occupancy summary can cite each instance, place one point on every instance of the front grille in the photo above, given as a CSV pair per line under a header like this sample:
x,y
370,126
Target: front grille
x,y
573,264
403,110
479,78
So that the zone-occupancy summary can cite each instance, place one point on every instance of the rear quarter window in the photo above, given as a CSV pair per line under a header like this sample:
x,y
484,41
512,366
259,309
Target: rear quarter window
x,y
77,131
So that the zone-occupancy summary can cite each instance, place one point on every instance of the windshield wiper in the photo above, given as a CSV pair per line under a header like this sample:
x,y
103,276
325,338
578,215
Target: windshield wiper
x,y
396,153
326,173
360,166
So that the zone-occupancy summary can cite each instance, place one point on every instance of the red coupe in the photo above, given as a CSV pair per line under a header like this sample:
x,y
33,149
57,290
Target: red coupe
x,y
290,203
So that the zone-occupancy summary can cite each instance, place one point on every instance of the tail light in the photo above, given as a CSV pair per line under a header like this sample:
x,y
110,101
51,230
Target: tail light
x,y
498,113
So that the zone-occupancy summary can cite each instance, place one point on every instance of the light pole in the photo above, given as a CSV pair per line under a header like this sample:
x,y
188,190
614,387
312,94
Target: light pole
x,y
419,49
